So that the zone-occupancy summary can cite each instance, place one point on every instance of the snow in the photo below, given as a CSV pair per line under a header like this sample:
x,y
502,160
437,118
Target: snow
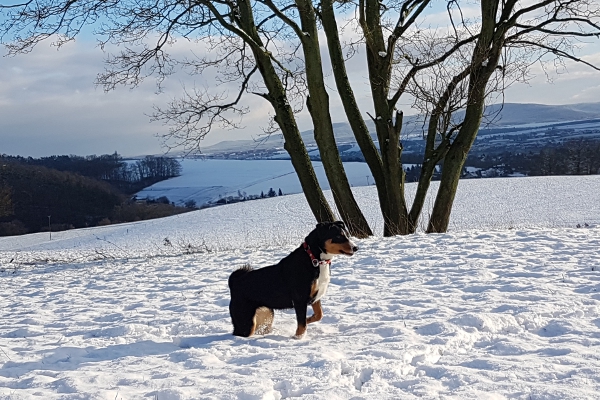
x,y
472,169
505,305
561,124
207,180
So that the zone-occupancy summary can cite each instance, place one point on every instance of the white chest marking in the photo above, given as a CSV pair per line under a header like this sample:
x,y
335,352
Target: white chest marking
x,y
322,281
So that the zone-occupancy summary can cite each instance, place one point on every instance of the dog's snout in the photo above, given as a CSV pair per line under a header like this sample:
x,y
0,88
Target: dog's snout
x,y
354,248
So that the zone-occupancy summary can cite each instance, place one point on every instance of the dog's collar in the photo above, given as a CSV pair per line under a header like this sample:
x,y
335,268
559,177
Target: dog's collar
x,y
315,261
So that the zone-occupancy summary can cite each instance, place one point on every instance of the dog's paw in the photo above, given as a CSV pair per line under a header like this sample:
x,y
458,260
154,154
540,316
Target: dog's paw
x,y
299,337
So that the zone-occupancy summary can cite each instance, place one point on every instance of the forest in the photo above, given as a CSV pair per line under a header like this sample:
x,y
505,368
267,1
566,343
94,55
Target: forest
x,y
64,192
572,157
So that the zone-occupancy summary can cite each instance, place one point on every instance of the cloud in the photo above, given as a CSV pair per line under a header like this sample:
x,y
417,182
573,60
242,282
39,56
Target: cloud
x,y
49,104
575,83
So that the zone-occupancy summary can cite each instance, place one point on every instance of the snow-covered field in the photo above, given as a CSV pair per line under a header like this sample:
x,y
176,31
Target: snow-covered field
x,y
505,305
208,180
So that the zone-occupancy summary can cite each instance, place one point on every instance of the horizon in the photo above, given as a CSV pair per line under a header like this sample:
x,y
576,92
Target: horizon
x,y
175,153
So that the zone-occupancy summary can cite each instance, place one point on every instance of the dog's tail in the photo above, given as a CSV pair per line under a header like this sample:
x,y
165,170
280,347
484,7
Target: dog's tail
x,y
238,273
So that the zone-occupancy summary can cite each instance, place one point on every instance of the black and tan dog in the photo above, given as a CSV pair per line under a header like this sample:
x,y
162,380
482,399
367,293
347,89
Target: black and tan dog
x,y
298,280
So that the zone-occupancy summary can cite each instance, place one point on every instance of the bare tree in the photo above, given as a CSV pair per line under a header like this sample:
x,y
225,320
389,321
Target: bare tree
x,y
449,74
509,30
6,206
245,44
582,157
270,48
388,31
318,106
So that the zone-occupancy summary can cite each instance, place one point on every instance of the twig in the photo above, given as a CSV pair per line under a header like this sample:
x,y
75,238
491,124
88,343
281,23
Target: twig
x,y
3,352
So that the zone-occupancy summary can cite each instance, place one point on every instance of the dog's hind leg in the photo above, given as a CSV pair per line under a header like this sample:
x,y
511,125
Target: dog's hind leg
x,y
263,320
242,317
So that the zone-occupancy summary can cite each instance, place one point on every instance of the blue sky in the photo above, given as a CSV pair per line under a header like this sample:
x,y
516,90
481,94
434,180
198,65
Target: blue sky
x,y
50,105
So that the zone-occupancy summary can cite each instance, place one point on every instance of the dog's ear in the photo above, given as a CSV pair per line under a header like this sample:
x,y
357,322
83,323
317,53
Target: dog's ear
x,y
326,223
315,235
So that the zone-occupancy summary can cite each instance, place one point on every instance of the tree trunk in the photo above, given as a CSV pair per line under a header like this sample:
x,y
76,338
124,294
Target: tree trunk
x,y
388,130
303,166
284,116
353,113
318,107
427,170
452,168
388,133
483,62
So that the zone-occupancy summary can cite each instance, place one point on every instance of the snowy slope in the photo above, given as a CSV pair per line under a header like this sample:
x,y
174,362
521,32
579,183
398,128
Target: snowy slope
x,y
506,305
208,180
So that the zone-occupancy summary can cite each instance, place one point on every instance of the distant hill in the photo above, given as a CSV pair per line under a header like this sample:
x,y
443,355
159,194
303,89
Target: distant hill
x,y
36,197
501,118
65,192
515,140
521,114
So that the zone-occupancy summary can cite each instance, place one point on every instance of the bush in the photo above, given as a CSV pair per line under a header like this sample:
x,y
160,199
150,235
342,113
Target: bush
x,y
104,222
163,200
141,211
57,227
190,204
12,228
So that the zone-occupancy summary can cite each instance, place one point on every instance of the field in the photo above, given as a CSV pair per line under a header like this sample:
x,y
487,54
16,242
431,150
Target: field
x,y
506,305
208,180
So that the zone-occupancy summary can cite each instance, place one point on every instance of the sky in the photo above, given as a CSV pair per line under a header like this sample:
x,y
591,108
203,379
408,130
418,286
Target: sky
x,y
50,105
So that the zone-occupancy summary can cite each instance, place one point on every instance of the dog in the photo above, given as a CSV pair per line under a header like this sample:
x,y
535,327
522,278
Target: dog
x,y
298,280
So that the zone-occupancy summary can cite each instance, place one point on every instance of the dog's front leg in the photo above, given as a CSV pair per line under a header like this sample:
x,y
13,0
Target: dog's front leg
x,y
317,312
300,308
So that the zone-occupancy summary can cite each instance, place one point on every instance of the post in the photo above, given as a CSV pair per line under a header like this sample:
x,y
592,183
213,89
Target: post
x,y
49,227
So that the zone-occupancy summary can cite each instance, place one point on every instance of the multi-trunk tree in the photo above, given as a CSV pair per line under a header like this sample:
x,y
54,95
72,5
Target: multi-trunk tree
x,y
449,74
512,35
272,49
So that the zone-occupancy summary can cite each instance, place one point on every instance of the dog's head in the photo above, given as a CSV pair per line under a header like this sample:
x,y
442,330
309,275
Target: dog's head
x,y
331,238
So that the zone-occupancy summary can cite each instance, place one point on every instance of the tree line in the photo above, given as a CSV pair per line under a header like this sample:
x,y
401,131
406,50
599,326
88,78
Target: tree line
x,y
576,157
129,177
65,192
271,50
573,157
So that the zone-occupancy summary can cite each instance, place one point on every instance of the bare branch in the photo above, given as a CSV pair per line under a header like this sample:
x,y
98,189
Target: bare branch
x,y
281,15
420,67
403,24
192,117
556,51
